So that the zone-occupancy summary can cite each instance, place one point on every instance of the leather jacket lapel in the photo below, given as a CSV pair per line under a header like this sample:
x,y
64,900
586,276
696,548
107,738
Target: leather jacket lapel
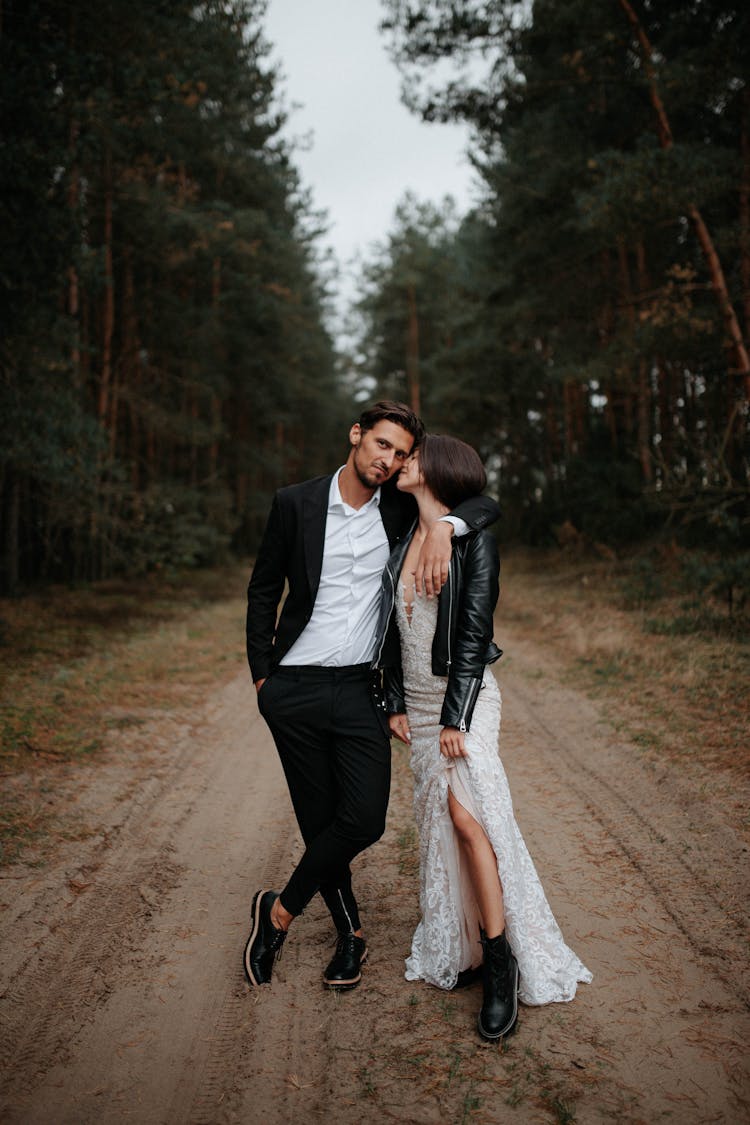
x,y
314,530
389,586
398,554
393,513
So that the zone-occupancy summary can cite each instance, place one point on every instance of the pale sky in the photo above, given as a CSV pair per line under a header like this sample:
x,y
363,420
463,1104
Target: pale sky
x,y
367,148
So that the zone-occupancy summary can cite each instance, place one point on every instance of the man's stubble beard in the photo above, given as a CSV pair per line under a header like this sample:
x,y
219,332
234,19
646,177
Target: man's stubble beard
x,y
364,480
371,484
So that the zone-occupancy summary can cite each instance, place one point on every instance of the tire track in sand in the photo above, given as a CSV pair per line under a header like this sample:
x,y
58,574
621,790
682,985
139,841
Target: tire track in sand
x,y
672,837
131,1006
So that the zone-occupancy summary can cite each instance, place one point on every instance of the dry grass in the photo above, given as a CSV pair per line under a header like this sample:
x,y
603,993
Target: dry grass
x,y
679,694
77,663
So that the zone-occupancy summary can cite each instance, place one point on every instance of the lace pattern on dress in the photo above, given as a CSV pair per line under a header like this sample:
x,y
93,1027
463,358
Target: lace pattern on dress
x,y
447,937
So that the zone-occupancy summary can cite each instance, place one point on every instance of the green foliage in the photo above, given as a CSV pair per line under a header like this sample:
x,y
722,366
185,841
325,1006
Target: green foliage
x,y
724,577
409,287
686,592
173,526
164,311
644,583
583,342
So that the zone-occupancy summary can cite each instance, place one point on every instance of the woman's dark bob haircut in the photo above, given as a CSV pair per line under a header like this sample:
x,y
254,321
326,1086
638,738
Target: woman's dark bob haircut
x,y
451,469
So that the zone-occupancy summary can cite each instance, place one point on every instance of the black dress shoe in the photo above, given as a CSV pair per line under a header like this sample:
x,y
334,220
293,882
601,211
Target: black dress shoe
x,y
265,941
345,970
499,1010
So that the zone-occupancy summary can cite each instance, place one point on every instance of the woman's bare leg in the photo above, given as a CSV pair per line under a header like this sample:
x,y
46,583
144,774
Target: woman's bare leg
x,y
482,865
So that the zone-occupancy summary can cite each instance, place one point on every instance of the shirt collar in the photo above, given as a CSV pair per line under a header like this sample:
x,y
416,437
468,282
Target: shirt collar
x,y
336,501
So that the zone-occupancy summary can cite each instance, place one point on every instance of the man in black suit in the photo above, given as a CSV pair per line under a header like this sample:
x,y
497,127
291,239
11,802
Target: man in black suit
x,y
329,539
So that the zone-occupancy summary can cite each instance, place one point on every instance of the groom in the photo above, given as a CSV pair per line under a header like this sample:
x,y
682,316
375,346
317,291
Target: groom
x,y
329,539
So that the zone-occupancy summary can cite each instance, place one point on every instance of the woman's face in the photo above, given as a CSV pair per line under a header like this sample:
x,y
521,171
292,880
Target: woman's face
x,y
410,478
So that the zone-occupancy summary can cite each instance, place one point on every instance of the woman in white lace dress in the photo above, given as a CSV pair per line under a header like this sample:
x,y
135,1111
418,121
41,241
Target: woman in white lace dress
x,y
481,899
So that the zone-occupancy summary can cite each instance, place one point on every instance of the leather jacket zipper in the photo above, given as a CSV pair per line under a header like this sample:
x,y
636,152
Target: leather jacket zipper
x,y
471,698
450,613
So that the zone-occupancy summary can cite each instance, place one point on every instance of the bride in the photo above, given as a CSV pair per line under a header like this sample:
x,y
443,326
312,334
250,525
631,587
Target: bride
x,y
481,900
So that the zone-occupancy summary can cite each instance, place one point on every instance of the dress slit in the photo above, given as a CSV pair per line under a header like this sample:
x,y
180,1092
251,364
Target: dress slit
x,y
446,940
459,789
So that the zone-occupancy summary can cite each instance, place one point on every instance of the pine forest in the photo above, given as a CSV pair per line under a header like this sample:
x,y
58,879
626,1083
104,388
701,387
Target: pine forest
x,y
168,354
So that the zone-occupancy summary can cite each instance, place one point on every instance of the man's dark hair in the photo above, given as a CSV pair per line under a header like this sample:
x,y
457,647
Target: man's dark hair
x,y
452,470
398,412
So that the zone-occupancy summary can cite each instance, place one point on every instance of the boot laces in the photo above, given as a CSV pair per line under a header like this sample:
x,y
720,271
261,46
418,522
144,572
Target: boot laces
x,y
346,941
276,944
499,972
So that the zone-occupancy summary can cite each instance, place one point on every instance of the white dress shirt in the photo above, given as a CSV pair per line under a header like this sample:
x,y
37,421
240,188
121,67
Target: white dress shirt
x,y
341,630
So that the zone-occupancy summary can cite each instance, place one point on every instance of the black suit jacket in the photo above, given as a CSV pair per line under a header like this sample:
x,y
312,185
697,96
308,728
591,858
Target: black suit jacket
x,y
292,552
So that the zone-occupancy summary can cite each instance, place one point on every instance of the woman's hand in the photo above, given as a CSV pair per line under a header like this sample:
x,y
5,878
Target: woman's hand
x,y
431,571
399,727
452,743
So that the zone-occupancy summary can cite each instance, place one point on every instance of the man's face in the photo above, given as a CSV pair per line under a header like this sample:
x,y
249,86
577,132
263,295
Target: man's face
x,y
380,452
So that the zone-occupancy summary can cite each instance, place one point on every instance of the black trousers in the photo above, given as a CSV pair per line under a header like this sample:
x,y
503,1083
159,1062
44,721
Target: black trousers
x,y
337,761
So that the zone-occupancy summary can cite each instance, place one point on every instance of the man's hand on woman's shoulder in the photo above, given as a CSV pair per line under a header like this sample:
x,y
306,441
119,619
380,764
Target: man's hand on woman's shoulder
x,y
431,571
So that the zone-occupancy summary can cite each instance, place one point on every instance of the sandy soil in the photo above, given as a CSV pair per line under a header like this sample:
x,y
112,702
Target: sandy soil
x,y
123,997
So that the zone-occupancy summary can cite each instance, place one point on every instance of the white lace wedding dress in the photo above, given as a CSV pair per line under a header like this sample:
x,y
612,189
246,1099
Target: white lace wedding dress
x,y
447,938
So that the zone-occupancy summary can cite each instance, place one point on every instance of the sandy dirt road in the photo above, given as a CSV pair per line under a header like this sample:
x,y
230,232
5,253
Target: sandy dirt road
x,y
123,997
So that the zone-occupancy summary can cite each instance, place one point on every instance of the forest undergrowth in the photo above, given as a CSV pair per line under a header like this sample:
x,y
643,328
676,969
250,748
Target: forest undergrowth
x,y
666,649
78,662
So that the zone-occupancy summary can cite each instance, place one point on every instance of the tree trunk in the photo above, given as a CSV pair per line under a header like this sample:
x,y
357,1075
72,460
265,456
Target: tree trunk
x,y
12,552
194,450
610,413
85,341
580,414
281,450
412,351
108,320
131,364
644,388
716,272
73,286
666,425
570,443
213,449
147,448
237,412
606,331
74,190
626,292
98,529
745,207
550,447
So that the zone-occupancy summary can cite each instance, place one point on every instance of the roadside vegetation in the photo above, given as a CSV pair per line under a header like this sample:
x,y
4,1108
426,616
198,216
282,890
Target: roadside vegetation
x,y
79,663
663,635
669,652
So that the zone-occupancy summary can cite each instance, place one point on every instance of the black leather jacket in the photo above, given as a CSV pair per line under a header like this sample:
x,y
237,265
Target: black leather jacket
x,y
462,644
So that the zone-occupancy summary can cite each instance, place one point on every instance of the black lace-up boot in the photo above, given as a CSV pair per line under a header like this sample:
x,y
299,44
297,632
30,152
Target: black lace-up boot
x,y
500,979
